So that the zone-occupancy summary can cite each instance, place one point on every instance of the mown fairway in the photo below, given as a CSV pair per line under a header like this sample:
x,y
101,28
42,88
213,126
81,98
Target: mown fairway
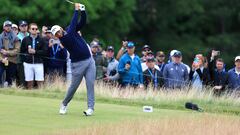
x,y
23,115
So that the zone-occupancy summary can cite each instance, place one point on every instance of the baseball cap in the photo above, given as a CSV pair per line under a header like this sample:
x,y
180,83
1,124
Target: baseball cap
x,y
7,23
177,54
14,26
110,48
150,58
55,29
22,22
130,45
146,47
49,30
94,44
237,58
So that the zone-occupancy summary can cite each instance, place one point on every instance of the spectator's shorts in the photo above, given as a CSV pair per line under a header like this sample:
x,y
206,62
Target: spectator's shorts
x,y
33,70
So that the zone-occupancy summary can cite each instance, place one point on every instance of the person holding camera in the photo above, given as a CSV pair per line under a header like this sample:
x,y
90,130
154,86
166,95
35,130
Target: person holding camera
x,y
122,50
83,64
218,75
57,61
199,74
130,69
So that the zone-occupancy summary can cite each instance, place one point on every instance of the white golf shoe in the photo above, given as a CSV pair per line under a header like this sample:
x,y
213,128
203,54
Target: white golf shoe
x,y
88,112
63,109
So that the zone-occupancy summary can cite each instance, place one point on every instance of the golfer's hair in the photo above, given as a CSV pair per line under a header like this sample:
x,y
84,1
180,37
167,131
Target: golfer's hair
x,y
32,24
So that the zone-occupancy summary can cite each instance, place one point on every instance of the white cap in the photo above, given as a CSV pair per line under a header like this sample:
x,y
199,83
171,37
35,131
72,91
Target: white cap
x,y
55,29
172,52
14,26
237,58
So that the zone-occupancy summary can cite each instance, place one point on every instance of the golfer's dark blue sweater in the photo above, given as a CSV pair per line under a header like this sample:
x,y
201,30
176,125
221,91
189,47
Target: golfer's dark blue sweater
x,y
73,42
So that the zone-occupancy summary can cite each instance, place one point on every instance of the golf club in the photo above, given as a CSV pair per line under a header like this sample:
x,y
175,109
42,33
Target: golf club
x,y
69,2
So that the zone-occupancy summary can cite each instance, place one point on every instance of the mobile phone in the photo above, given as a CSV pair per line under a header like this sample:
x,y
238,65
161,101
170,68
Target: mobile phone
x,y
196,60
218,52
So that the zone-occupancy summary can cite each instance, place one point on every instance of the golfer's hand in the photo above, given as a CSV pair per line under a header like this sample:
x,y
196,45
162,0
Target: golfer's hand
x,y
77,6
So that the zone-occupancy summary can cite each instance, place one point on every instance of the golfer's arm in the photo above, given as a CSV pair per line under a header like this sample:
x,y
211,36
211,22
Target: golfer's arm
x,y
83,20
73,25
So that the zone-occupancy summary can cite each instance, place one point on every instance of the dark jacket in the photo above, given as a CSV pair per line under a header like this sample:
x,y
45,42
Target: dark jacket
x,y
40,47
217,78
204,76
149,78
57,60
73,42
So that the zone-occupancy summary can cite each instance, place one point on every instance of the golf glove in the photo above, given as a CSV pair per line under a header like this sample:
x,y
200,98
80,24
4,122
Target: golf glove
x,y
82,7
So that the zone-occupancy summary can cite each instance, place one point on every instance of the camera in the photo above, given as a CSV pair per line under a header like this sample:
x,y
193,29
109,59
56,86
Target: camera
x,y
128,62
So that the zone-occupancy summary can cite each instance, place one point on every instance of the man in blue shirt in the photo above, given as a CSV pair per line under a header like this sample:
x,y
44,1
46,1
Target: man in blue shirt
x,y
130,69
175,73
83,64
234,76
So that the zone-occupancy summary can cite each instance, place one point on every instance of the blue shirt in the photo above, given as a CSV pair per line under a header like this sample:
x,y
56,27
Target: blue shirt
x,y
21,36
233,80
175,75
134,75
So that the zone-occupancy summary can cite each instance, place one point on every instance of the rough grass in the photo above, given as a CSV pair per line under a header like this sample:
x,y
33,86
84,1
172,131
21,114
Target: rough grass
x,y
204,125
158,99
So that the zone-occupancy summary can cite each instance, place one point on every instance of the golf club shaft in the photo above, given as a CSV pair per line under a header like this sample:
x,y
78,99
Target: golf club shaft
x,y
69,2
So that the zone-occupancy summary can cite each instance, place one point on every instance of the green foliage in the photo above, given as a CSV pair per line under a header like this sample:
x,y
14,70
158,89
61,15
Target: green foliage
x,y
194,26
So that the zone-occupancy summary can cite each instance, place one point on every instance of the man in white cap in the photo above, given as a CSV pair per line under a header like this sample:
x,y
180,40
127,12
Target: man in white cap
x,y
234,76
15,28
83,65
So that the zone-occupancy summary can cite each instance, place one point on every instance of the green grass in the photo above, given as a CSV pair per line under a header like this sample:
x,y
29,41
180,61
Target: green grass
x,y
26,112
33,115
209,104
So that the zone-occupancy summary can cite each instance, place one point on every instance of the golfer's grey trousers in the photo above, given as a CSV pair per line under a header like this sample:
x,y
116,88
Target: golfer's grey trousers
x,y
86,69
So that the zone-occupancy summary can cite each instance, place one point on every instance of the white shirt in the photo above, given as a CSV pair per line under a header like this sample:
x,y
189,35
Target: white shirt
x,y
132,56
238,73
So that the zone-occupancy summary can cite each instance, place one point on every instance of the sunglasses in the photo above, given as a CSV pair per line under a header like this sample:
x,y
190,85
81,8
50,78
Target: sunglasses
x,y
146,50
23,25
161,56
34,28
8,25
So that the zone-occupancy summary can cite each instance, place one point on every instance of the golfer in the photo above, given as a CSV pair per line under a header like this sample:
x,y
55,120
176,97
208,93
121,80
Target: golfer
x,y
83,65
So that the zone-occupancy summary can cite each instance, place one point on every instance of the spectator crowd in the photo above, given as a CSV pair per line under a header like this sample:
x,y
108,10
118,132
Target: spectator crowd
x,y
29,55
